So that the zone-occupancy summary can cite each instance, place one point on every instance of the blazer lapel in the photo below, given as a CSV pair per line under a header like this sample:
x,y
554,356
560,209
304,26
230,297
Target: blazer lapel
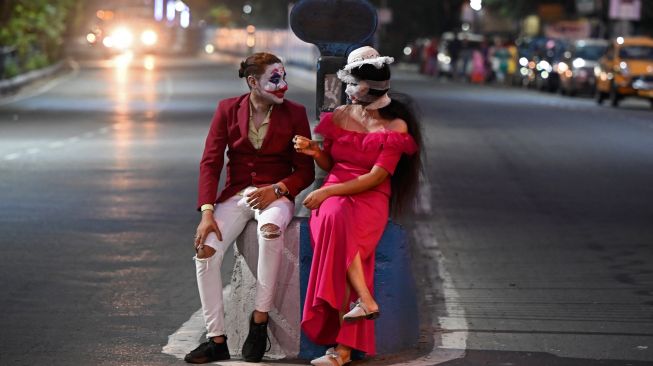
x,y
243,119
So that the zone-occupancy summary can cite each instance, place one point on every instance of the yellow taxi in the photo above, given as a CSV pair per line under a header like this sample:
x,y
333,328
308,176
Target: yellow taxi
x,y
625,70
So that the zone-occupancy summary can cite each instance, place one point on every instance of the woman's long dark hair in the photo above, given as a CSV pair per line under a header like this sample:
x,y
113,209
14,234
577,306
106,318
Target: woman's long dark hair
x,y
405,180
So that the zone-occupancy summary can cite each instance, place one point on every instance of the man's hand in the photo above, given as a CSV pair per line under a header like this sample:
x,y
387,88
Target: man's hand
x,y
315,198
206,226
261,197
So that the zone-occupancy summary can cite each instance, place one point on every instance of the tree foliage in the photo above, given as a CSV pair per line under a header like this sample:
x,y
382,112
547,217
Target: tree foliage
x,y
34,30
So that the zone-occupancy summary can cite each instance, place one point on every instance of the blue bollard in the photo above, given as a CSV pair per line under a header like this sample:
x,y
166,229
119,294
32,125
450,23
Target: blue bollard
x,y
397,329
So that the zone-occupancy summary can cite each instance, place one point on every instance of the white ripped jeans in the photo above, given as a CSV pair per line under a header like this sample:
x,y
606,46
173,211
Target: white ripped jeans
x,y
231,216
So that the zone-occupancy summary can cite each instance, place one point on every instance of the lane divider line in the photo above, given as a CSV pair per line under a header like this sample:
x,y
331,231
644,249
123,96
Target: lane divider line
x,y
12,156
57,144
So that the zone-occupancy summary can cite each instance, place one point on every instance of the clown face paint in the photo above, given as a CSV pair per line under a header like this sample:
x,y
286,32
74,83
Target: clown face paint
x,y
272,84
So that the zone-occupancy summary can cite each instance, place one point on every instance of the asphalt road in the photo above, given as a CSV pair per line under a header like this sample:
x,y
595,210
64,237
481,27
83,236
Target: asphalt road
x,y
540,219
534,237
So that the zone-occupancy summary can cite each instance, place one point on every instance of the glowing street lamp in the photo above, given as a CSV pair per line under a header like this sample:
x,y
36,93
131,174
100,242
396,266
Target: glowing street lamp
x,y
180,6
476,5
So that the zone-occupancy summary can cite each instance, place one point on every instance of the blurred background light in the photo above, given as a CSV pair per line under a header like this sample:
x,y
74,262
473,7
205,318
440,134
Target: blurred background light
x,y
184,19
170,10
180,6
158,10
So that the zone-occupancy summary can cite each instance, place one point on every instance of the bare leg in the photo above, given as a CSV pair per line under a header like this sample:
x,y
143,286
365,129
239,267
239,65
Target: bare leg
x,y
357,281
344,352
260,317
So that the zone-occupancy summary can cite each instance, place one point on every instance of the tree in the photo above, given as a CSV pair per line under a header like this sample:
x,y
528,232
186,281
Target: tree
x,y
416,19
34,30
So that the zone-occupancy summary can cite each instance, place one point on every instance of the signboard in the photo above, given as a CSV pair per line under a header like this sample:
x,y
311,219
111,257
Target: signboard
x,y
551,12
568,29
586,7
334,25
625,9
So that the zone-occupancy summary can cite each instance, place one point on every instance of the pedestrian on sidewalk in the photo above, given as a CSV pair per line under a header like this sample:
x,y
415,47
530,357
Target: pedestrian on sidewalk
x,y
369,151
264,174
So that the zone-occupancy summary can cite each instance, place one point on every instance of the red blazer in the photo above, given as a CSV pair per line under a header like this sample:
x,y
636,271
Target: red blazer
x,y
276,161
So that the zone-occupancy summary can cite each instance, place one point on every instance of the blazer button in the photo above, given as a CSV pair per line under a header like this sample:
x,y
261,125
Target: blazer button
x,y
253,174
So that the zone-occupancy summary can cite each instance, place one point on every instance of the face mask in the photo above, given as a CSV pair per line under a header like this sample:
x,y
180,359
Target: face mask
x,y
272,84
358,93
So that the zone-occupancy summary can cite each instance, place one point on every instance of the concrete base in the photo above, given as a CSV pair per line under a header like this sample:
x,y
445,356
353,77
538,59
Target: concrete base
x,y
239,302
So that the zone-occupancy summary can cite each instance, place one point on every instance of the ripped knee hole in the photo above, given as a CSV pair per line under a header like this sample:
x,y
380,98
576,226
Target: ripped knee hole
x,y
270,231
205,252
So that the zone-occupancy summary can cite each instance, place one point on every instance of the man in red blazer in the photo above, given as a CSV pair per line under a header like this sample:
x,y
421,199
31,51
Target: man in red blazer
x,y
264,174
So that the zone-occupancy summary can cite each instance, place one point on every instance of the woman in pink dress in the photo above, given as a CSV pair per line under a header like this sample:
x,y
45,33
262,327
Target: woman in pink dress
x,y
369,150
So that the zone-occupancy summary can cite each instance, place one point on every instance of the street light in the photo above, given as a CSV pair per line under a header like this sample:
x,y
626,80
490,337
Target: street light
x,y
180,6
476,5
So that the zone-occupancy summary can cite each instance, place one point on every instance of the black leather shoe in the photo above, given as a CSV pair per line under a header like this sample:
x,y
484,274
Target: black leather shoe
x,y
209,351
257,341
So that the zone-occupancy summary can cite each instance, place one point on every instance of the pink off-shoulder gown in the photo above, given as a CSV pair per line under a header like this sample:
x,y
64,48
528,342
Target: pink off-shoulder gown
x,y
346,225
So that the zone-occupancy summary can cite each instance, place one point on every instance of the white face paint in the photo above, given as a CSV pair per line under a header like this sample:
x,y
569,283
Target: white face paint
x,y
357,92
272,84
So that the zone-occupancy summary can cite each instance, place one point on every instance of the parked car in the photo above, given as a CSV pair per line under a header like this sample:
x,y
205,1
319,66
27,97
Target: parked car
x,y
576,70
626,70
538,59
546,58
528,49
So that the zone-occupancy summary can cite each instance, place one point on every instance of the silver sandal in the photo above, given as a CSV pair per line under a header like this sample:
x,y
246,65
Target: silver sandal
x,y
359,311
327,359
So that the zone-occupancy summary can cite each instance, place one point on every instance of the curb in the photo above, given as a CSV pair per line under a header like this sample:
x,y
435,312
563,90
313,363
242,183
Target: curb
x,y
8,86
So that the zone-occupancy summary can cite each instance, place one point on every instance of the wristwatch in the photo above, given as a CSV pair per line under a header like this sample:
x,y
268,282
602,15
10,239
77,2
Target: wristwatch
x,y
205,207
278,191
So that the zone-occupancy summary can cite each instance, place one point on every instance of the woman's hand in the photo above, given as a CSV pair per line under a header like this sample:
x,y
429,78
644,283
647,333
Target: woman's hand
x,y
261,198
305,146
315,198
206,226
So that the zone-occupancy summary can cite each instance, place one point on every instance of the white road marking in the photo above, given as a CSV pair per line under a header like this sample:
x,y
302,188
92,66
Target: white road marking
x,y
451,342
186,338
424,196
53,145
169,89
